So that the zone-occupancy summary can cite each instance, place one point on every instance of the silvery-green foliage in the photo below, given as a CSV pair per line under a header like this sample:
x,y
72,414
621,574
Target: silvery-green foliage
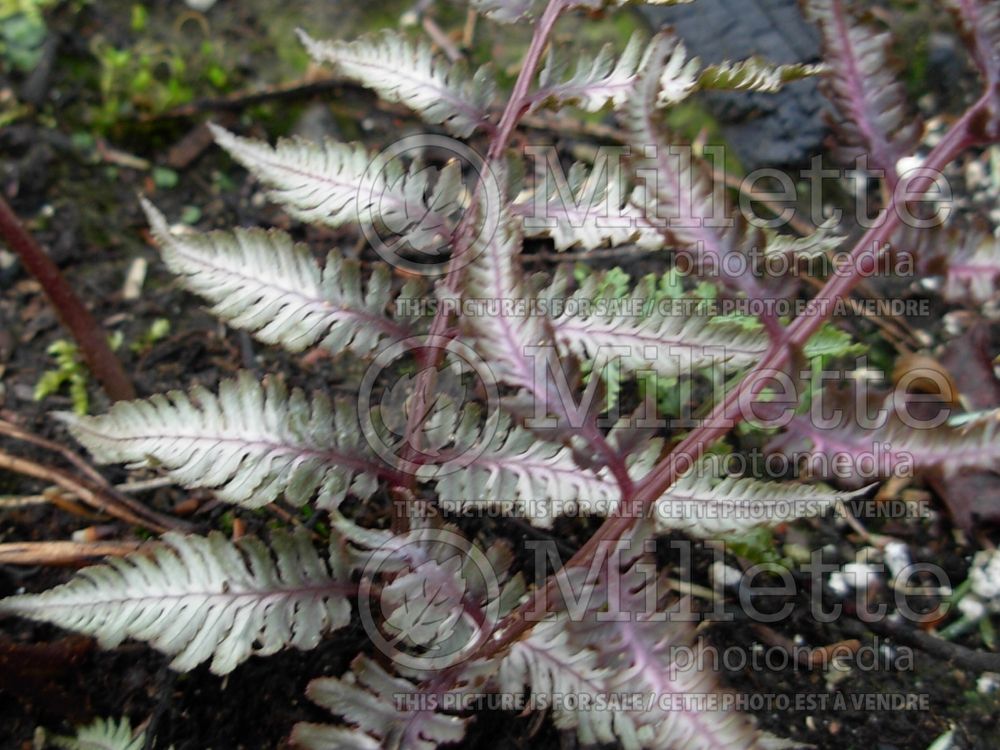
x,y
201,598
249,443
265,283
103,734
208,599
399,71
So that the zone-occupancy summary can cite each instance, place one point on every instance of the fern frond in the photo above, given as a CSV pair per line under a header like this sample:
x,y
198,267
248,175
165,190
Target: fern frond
x,y
680,195
678,77
334,184
979,21
399,71
945,448
513,11
707,507
264,283
973,269
754,74
595,83
504,338
103,734
588,210
623,643
822,241
862,85
550,665
522,473
249,443
375,705
643,335
201,598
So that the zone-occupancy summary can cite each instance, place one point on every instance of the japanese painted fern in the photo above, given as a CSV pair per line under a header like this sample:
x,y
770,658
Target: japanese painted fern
x,y
498,390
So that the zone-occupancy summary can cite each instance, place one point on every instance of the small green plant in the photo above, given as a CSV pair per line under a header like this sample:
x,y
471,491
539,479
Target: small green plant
x,y
70,372
158,330
22,32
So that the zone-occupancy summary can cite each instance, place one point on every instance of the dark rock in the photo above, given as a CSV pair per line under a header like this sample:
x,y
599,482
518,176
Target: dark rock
x,y
783,129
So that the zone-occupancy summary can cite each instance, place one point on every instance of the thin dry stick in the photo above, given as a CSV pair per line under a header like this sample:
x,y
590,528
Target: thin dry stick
x,y
115,495
94,498
19,433
63,553
93,342
441,39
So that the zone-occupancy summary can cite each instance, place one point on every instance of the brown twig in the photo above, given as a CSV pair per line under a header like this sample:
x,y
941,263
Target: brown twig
x,y
441,39
101,499
19,433
63,553
93,342
116,494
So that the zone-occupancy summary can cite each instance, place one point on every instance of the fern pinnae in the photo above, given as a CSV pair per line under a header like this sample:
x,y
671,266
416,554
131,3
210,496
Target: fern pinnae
x,y
755,74
337,184
103,734
705,506
521,472
400,71
262,282
651,338
200,598
861,84
979,21
944,448
680,187
596,82
373,703
250,443
577,212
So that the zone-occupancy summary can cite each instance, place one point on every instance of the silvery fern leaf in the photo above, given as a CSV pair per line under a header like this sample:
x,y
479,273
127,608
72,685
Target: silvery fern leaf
x,y
550,665
515,340
383,711
874,120
619,644
705,506
643,334
262,282
436,589
520,473
678,76
199,598
754,74
494,275
822,241
678,194
586,209
249,444
675,190
898,448
595,83
400,71
513,11
103,734
335,184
